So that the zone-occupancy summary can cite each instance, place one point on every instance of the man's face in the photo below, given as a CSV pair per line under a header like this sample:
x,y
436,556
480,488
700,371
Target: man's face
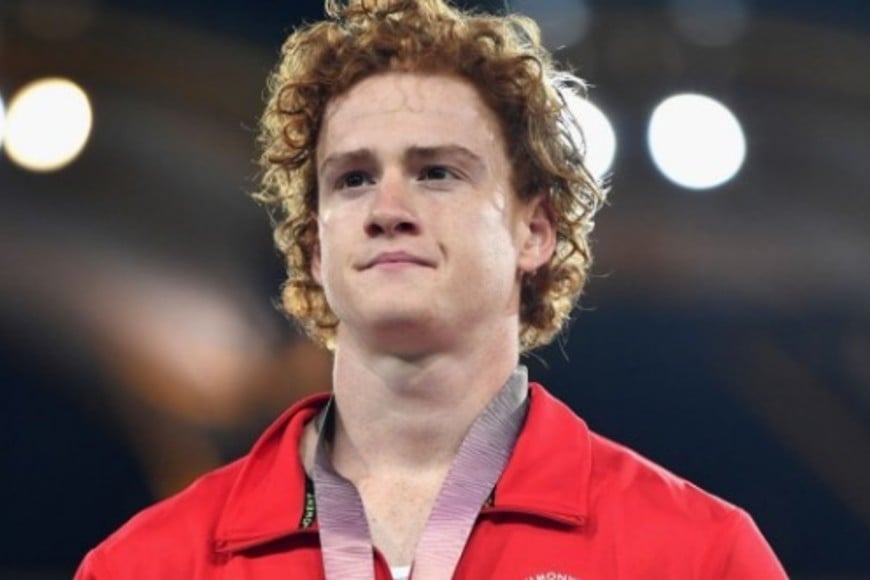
x,y
421,236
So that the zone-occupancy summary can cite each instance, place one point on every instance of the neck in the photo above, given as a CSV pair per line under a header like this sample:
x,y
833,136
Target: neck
x,y
408,416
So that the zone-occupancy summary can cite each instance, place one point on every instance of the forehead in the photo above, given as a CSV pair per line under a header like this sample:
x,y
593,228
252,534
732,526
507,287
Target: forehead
x,y
409,109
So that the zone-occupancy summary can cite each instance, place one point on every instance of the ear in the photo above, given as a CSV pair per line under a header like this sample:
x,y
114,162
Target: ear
x,y
539,235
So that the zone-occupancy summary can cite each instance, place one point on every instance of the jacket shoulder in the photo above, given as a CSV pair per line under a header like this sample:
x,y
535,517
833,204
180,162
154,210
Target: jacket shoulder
x,y
180,529
179,537
659,512
620,472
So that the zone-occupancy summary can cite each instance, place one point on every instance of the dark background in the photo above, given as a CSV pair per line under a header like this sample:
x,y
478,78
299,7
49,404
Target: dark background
x,y
725,334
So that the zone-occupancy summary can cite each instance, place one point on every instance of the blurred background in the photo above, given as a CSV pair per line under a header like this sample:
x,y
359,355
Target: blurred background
x,y
725,334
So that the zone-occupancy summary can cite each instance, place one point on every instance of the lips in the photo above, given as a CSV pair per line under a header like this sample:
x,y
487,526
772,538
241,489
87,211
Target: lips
x,y
396,258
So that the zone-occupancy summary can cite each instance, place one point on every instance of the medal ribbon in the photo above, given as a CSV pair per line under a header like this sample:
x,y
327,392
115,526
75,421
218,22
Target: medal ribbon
x,y
344,534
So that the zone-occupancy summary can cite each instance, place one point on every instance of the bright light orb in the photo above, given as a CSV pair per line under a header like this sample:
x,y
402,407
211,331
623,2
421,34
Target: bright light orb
x,y
597,134
600,139
695,141
2,119
47,125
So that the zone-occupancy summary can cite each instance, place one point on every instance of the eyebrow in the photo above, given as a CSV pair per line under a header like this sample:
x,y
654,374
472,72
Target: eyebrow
x,y
419,153
415,153
346,157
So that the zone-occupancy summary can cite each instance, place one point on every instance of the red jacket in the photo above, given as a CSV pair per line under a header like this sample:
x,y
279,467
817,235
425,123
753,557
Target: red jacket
x,y
569,505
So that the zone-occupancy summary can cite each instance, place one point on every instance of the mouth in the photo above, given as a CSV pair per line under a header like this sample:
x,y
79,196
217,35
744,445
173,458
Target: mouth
x,y
395,260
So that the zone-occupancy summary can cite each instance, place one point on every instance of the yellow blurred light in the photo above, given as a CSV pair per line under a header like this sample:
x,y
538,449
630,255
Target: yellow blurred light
x,y
47,124
2,119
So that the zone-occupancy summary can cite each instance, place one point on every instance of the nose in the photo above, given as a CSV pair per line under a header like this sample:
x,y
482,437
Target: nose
x,y
391,212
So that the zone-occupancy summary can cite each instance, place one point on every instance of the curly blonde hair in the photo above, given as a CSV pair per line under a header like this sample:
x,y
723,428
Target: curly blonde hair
x,y
503,58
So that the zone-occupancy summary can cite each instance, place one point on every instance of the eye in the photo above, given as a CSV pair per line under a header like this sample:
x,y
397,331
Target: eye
x,y
353,179
436,173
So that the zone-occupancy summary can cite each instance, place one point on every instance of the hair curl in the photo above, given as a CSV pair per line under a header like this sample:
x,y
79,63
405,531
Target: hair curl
x,y
503,58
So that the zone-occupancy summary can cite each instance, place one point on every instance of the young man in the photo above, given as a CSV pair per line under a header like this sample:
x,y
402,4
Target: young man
x,y
434,209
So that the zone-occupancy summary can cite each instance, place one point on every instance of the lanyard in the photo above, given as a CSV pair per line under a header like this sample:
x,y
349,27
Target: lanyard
x,y
344,534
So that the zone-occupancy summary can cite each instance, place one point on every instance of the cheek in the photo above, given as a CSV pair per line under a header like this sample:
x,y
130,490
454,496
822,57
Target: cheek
x,y
492,238
329,246
500,228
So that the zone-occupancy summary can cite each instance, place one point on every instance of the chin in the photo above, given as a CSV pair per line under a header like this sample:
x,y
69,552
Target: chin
x,y
407,334
408,322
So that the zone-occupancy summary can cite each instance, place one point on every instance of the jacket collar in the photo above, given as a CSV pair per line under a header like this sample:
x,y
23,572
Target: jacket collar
x,y
549,470
267,497
547,475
